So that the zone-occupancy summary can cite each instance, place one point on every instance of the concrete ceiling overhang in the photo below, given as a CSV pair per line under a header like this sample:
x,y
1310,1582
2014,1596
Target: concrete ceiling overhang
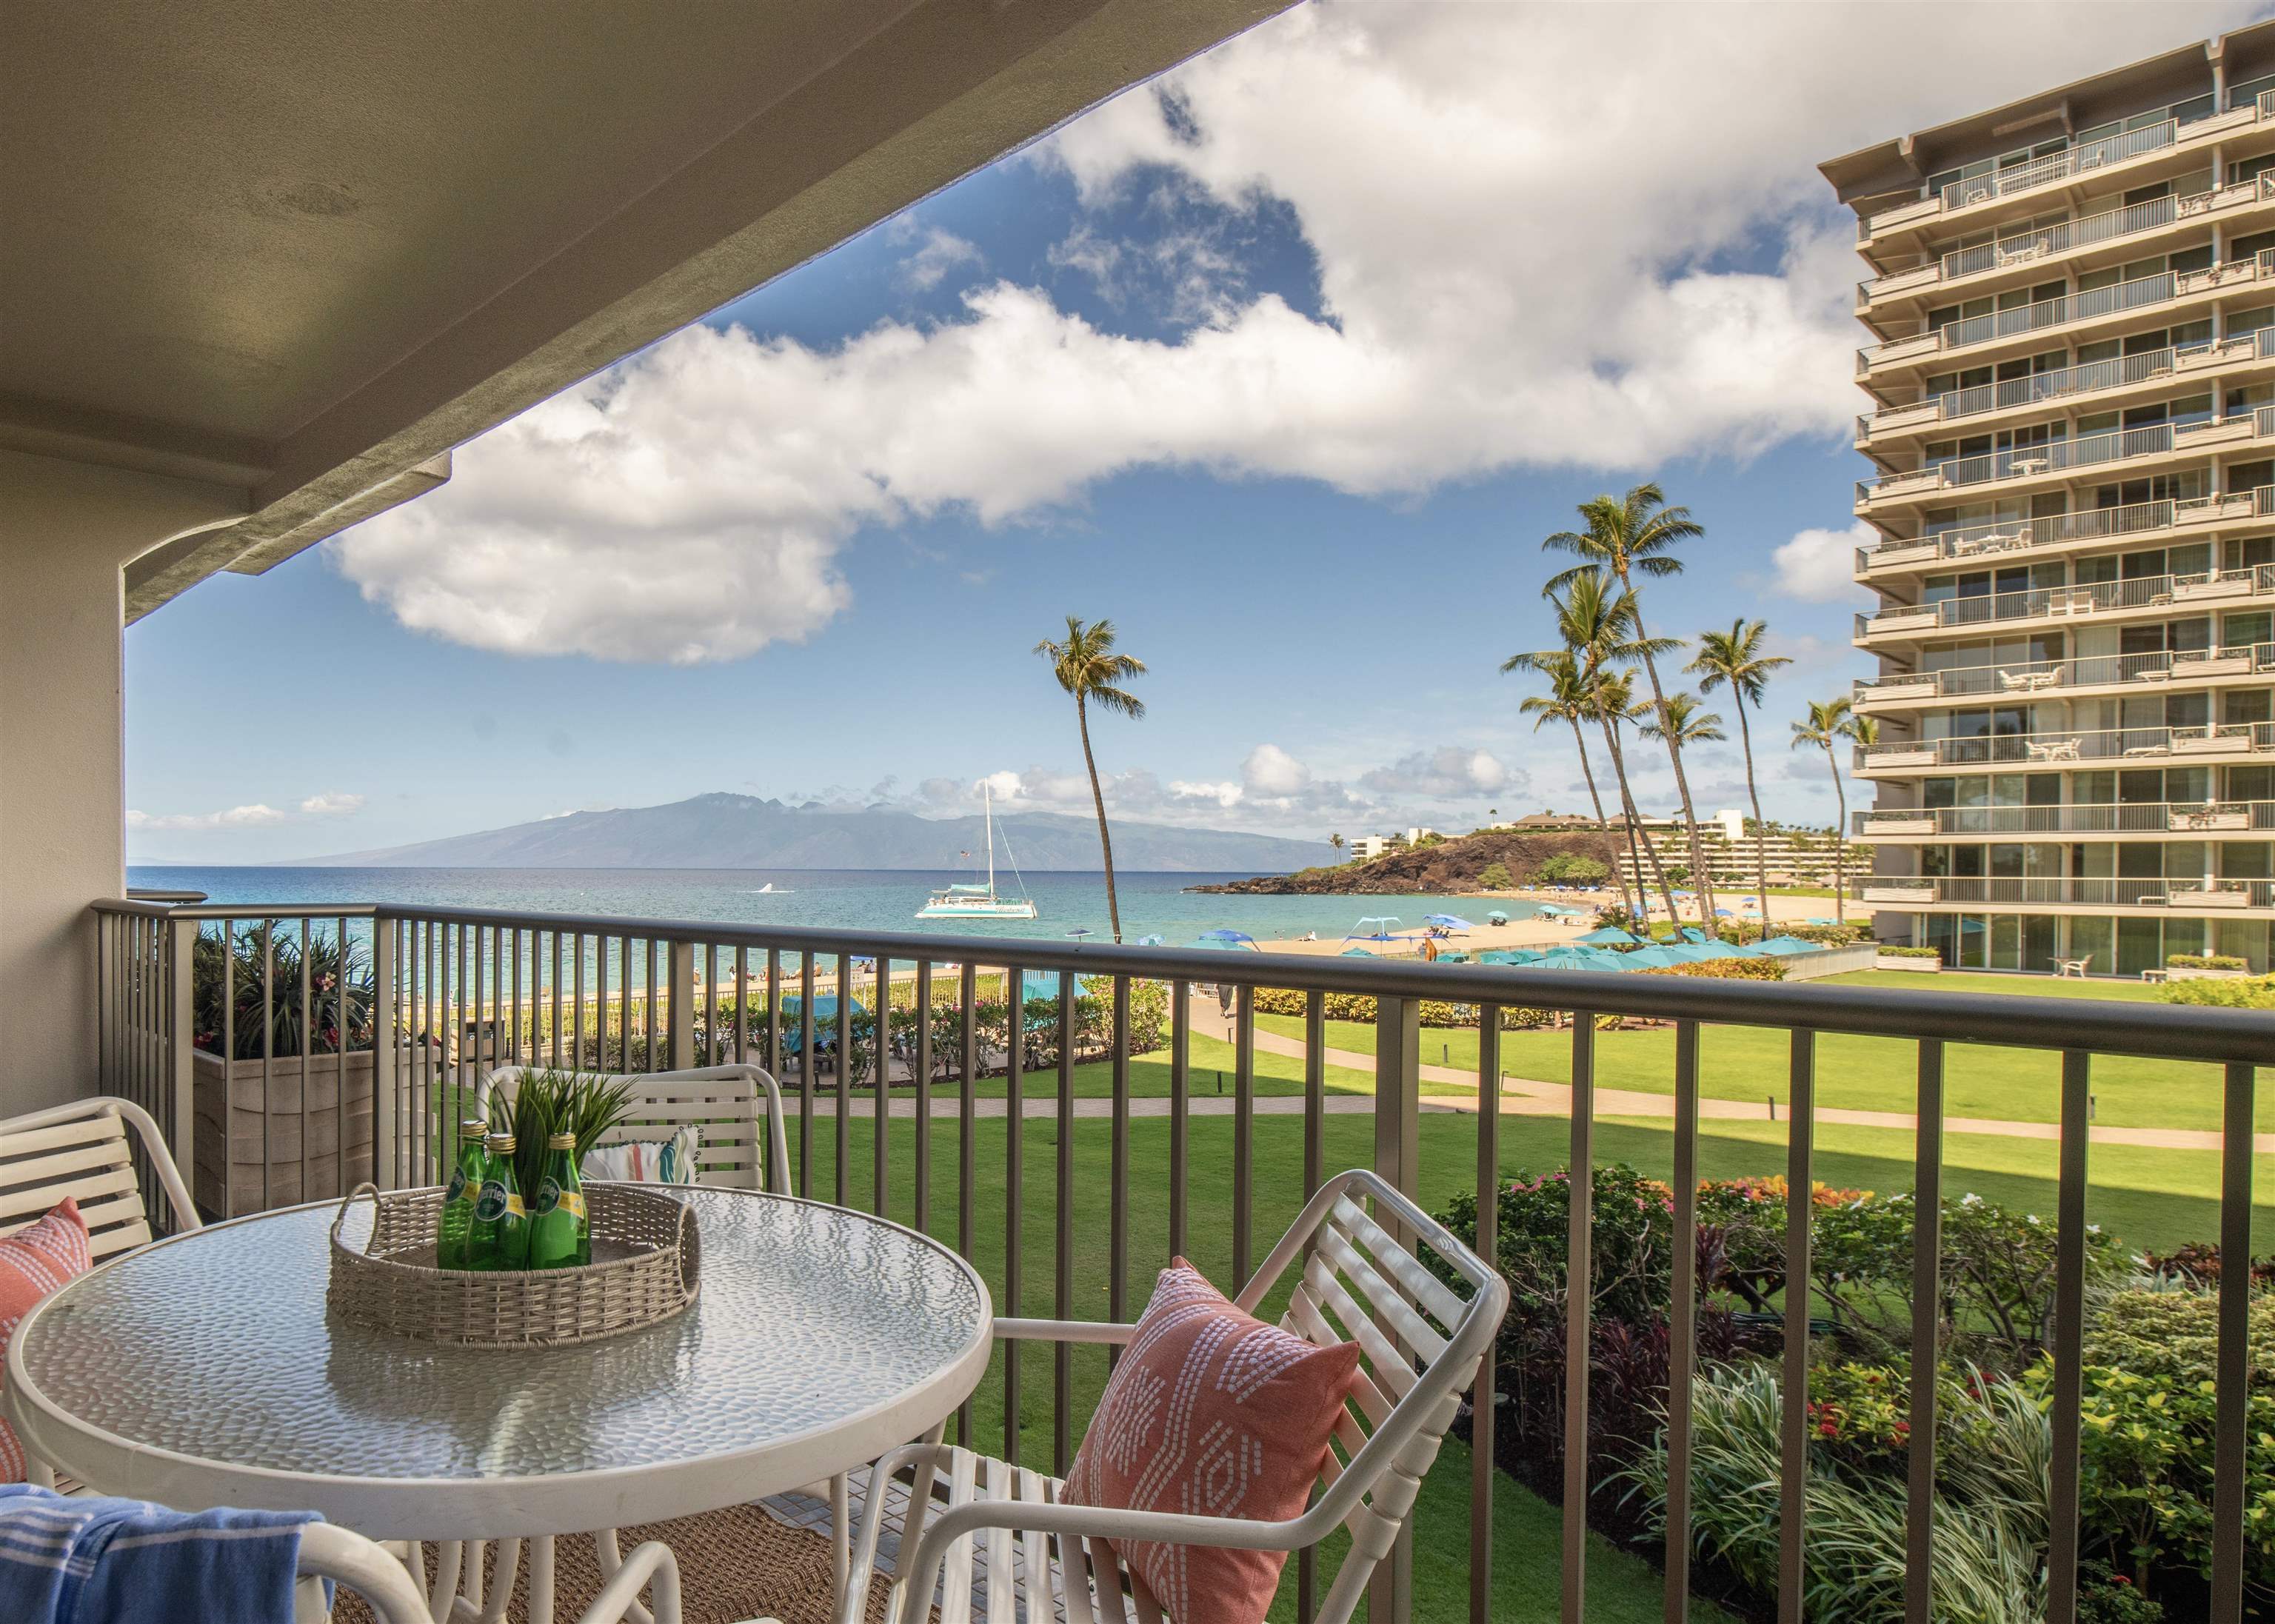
x,y
300,252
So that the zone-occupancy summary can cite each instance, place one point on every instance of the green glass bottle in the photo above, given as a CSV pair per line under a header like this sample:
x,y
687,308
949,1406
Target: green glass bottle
x,y
560,1235
499,1236
458,1200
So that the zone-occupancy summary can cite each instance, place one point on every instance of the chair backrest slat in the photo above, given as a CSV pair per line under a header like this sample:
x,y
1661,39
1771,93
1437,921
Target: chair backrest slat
x,y
83,1151
1410,1327
1426,1289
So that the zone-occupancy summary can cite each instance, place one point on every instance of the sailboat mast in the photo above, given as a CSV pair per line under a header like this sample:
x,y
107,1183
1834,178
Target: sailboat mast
x,y
987,813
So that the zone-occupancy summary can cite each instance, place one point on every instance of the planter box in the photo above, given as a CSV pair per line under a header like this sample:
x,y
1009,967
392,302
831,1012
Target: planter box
x,y
2223,665
1901,620
251,1142
2211,899
2206,822
1898,826
1917,552
2175,972
1926,967
1881,761
1925,690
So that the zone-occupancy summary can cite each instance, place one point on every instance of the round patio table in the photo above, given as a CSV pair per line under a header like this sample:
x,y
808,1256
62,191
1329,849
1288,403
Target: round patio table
x,y
203,1370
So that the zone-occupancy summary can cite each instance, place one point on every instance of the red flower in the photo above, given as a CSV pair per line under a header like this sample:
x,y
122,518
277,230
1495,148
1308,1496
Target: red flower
x,y
1828,1430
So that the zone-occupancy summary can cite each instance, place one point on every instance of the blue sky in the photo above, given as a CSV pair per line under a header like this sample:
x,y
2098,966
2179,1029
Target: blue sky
x,y
1285,365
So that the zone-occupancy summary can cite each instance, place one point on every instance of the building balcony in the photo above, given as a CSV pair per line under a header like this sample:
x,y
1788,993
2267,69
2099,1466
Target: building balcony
x,y
2063,892
1901,554
2067,314
2088,381
2066,605
2115,156
2035,249
2157,819
2219,741
2053,461
2090,675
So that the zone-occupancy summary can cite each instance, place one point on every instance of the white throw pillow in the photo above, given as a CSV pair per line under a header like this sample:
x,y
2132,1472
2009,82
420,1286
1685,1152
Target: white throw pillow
x,y
647,1162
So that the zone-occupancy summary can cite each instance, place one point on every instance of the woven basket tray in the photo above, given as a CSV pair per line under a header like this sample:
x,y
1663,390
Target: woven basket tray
x,y
648,1265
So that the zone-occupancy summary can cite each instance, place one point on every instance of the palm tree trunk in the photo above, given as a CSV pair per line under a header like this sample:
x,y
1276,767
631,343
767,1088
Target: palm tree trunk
x,y
1588,772
1761,834
1635,823
1098,799
1839,840
1701,875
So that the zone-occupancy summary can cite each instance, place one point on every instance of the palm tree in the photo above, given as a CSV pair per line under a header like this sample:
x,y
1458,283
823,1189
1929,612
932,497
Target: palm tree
x,y
1735,657
1087,667
1689,722
1633,535
1335,843
1829,722
1613,707
1569,701
1597,621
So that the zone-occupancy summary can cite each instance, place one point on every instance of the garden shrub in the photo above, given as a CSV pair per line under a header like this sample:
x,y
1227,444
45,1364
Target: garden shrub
x,y
2248,992
2205,961
1892,950
2196,1263
1721,970
1495,877
1571,868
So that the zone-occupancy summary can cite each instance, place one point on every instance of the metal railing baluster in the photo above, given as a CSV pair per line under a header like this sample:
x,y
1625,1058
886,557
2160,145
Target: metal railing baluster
x,y
2069,1339
1244,1131
1015,1004
1927,1332
1793,1490
1682,1322
1482,1390
1181,1050
1063,1238
1579,1275
2232,1420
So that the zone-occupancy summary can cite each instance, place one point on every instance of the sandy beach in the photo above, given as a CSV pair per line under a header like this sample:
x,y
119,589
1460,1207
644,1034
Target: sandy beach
x,y
1530,933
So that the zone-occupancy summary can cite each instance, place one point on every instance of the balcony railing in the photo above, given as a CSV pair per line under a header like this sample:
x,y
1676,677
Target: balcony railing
x,y
2207,589
2086,378
2092,818
2142,292
2022,678
2023,462
2080,160
451,993
2167,896
2055,749
2023,535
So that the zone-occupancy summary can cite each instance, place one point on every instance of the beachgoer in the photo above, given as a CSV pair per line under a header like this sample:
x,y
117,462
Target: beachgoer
x,y
1430,949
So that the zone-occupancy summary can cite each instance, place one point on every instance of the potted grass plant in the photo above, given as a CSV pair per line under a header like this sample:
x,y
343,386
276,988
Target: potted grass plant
x,y
546,1102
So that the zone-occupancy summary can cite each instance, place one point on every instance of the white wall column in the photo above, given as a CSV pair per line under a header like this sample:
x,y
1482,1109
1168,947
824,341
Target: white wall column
x,y
66,529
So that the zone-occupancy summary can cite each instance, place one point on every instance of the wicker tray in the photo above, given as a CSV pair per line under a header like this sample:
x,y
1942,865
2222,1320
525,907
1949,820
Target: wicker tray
x,y
647,1266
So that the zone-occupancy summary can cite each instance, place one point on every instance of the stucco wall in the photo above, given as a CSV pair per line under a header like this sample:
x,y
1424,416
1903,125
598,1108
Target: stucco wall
x,y
65,529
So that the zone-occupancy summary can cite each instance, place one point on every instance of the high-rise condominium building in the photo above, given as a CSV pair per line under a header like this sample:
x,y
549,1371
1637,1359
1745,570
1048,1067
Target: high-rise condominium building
x,y
2070,306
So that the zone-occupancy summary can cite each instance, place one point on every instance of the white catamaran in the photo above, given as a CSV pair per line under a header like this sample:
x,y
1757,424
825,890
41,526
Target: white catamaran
x,y
980,902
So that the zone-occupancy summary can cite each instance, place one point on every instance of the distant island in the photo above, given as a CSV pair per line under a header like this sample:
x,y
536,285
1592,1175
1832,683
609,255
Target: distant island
x,y
1447,867
741,831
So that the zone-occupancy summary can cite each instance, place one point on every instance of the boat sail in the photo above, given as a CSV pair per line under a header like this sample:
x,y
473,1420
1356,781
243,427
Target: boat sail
x,y
969,902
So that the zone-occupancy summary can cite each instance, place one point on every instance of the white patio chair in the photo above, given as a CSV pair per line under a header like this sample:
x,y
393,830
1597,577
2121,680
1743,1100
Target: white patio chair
x,y
1420,1346
377,1572
80,1150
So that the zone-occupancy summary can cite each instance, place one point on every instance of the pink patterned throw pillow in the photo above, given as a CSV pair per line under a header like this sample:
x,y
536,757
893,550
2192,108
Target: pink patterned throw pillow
x,y
34,1261
1210,1413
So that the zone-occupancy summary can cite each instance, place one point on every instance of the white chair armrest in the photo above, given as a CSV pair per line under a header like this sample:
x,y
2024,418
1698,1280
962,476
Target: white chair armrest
x,y
1091,1331
346,1557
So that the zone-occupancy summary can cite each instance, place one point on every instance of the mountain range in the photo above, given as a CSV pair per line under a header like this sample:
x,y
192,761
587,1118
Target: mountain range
x,y
741,831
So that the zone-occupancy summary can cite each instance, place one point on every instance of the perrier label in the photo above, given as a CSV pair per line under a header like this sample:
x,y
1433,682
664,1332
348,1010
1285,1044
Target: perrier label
x,y
560,1234
498,1237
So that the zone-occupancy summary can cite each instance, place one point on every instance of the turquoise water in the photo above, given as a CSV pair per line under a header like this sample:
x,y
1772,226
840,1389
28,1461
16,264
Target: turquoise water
x,y
1151,905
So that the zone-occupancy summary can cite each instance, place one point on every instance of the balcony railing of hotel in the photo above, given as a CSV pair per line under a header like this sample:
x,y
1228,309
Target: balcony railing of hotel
x,y
2083,598
2167,895
2086,378
2141,293
435,996
2081,159
2091,818
2164,666
2023,535
2023,462
2077,745
2068,235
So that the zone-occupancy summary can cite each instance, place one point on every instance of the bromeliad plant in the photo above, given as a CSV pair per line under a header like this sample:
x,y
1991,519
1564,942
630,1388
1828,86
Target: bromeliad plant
x,y
226,982
548,1102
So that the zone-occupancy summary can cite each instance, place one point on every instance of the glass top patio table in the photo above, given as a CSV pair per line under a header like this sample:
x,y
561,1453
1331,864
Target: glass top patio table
x,y
203,1370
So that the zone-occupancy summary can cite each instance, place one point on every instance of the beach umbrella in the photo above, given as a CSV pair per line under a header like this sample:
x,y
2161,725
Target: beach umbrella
x,y
1782,945
1653,958
1450,921
1355,952
1228,941
1079,931
1149,941
1609,933
1496,918
1724,913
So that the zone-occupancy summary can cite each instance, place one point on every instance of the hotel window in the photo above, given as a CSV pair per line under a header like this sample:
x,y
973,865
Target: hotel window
x,y
2250,168
2241,322
2247,476
2240,707
2245,630
2249,248
2244,397
2246,93
2251,783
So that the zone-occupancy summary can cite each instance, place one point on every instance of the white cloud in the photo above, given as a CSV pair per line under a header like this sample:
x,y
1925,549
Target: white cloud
x,y
1440,773
941,252
1270,770
256,815
1545,235
1820,566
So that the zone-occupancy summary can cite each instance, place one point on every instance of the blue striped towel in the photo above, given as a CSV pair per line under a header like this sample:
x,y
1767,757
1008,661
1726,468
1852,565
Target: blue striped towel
x,y
114,1561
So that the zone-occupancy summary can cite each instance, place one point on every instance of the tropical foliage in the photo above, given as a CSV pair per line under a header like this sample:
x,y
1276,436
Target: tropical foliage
x,y
227,989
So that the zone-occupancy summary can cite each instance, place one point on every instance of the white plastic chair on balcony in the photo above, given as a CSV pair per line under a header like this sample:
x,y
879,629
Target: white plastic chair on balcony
x,y
82,1150
376,1573
1420,1343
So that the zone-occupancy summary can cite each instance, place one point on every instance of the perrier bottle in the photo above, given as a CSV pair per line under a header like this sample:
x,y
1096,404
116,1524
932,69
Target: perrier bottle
x,y
560,1235
458,1200
499,1236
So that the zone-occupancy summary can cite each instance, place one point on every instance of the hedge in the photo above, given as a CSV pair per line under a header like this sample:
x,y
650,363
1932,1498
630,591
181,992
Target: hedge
x,y
1890,950
2205,961
1359,1006
2250,992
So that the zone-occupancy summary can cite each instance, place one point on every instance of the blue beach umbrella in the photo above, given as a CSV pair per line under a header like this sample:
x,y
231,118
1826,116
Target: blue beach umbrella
x,y
1782,945
1450,921
1149,941
1228,941
1607,934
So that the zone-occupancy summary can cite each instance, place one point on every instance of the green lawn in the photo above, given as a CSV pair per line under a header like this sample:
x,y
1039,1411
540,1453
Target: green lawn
x,y
1876,1074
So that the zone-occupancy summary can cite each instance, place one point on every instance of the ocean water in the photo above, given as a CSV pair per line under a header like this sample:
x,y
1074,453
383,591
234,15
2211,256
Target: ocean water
x,y
849,899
